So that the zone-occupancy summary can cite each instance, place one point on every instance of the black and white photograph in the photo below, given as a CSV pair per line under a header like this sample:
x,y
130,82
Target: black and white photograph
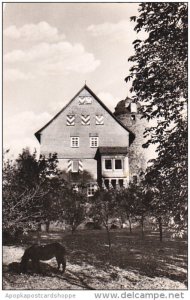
x,y
95,147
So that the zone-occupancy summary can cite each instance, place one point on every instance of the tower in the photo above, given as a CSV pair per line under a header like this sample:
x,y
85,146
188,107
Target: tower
x,y
128,113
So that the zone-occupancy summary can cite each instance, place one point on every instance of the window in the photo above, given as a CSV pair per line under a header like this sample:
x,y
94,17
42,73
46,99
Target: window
x,y
91,189
106,182
94,142
108,164
75,188
74,142
133,117
118,164
115,164
133,107
113,183
121,182
75,166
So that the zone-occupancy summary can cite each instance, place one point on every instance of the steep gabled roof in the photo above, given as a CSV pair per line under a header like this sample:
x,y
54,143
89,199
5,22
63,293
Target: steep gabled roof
x,y
131,134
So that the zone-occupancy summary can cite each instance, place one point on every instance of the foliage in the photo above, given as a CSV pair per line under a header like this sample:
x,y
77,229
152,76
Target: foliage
x,y
72,207
26,185
134,204
159,78
168,188
126,201
103,208
160,63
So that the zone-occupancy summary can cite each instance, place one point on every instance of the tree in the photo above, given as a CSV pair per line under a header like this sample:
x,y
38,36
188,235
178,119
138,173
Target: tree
x,y
154,192
103,208
160,64
125,199
167,187
159,78
141,205
26,184
72,207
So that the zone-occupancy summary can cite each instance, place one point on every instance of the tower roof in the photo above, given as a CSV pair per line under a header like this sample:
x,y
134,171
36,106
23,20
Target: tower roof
x,y
126,106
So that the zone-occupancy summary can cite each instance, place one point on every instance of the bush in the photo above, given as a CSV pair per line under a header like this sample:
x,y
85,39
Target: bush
x,y
93,226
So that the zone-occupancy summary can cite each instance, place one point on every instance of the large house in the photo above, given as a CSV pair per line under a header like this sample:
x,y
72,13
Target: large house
x,y
91,143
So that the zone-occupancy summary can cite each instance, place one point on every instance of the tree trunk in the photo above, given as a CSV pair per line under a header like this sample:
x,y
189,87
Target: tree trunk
x,y
122,220
73,229
160,228
142,227
39,227
121,223
130,227
38,238
47,225
109,243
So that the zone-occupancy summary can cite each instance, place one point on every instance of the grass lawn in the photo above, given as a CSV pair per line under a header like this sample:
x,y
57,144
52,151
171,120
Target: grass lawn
x,y
136,263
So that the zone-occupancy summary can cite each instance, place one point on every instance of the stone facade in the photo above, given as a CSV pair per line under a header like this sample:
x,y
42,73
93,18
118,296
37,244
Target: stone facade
x,y
91,143
128,113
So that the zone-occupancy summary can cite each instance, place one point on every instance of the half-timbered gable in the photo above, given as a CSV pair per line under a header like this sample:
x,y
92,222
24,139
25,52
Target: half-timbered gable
x,y
86,136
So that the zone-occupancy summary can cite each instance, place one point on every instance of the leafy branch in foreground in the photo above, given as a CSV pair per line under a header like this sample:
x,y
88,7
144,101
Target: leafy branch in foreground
x,y
159,75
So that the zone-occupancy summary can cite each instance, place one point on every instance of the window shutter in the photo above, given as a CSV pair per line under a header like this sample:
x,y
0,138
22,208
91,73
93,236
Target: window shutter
x,y
80,166
99,120
70,120
85,120
69,166
85,100
75,166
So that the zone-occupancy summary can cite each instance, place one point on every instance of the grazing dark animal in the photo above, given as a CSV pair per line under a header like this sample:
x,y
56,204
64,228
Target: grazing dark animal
x,y
14,267
46,252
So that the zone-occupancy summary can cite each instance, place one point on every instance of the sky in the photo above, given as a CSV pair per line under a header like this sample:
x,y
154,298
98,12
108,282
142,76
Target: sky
x,y
50,50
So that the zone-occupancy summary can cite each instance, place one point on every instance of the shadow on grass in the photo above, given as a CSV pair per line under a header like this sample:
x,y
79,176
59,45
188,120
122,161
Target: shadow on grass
x,y
146,256
73,278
